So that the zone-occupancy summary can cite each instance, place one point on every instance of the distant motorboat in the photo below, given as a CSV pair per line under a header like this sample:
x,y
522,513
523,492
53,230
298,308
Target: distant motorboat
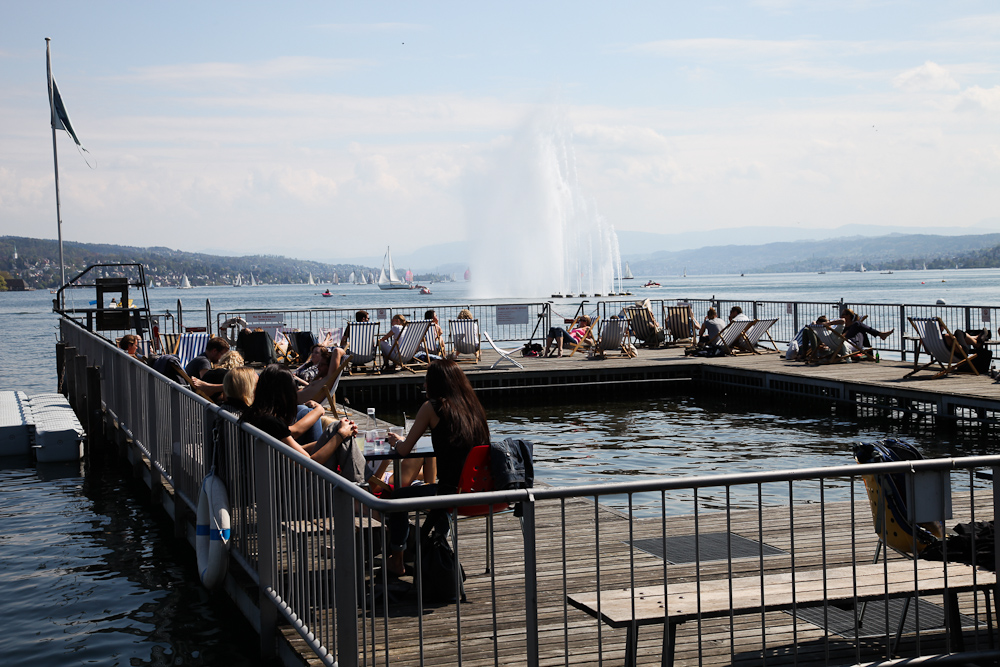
x,y
326,293
391,280
628,273
885,273
652,283
424,290
185,283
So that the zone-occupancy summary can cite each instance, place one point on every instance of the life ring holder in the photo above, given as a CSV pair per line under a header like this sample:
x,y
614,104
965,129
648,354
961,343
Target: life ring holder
x,y
212,532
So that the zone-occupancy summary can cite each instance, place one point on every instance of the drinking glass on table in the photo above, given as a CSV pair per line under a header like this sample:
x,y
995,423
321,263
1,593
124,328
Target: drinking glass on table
x,y
381,446
397,431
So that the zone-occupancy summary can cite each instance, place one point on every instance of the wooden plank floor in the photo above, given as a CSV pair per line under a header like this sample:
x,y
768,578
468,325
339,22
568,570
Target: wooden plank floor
x,y
580,529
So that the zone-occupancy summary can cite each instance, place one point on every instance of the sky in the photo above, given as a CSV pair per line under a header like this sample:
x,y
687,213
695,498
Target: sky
x,y
326,130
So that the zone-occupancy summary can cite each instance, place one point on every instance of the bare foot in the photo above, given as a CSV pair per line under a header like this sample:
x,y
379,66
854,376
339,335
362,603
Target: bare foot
x,y
886,334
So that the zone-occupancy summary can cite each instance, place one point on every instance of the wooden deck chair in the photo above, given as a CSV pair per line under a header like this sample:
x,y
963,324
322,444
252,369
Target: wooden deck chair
x,y
328,390
464,335
168,342
613,337
949,358
361,342
433,341
644,326
727,339
504,354
748,341
190,345
837,347
181,373
402,352
681,324
588,337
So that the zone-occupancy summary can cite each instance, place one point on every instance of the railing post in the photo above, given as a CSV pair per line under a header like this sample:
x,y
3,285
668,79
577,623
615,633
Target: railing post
x,y
345,579
530,582
266,547
95,415
80,375
175,458
902,332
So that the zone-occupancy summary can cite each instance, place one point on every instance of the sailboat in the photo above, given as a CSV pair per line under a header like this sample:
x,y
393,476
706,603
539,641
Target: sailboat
x,y
185,283
311,281
862,269
371,277
685,273
336,278
390,280
253,283
628,273
361,279
239,280
150,286
350,278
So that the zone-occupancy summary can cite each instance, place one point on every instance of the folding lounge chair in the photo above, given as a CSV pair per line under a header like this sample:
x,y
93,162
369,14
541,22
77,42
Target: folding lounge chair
x,y
464,336
587,337
726,339
748,341
328,390
361,341
643,326
837,346
168,343
433,342
504,354
181,373
949,358
403,351
190,345
681,324
613,338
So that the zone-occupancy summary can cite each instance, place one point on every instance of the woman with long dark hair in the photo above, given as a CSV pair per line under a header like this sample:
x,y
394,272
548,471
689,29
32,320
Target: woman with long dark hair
x,y
273,411
457,423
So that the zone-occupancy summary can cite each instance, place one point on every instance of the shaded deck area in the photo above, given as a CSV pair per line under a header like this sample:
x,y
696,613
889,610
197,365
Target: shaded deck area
x,y
573,533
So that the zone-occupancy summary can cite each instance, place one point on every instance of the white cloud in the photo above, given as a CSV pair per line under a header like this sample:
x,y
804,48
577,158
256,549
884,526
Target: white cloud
x,y
274,69
929,77
976,98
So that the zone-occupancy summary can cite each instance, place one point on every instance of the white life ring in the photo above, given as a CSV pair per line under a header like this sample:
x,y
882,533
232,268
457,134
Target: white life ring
x,y
212,532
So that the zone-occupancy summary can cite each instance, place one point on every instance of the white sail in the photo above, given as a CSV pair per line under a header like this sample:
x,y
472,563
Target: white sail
x,y
185,283
239,280
371,277
362,280
628,273
390,279
311,281
350,278
253,283
336,278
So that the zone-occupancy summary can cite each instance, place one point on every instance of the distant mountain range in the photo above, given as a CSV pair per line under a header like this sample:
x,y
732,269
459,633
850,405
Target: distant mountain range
x,y
777,250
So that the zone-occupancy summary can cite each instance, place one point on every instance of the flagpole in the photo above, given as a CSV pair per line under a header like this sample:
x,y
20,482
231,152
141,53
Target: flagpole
x,y
55,160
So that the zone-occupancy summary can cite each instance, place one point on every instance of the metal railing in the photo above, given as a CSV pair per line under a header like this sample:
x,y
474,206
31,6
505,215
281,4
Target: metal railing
x,y
314,543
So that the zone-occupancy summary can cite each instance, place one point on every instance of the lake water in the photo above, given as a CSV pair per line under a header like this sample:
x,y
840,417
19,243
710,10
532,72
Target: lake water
x,y
89,575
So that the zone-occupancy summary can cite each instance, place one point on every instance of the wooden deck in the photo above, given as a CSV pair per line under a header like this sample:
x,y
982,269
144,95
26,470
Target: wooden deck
x,y
570,537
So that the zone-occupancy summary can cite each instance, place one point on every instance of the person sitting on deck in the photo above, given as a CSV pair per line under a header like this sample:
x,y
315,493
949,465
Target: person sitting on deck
x,y
434,333
856,332
557,336
736,315
457,423
972,342
214,349
130,343
804,341
710,328
465,314
385,342
238,388
274,410
211,381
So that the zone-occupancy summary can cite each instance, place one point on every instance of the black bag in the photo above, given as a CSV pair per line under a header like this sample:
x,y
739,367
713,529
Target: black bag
x,y
531,350
438,562
256,347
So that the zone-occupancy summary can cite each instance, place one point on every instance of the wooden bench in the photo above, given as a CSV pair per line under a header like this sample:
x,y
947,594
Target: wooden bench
x,y
711,599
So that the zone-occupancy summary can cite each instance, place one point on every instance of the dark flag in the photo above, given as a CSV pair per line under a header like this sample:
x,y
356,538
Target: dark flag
x,y
60,119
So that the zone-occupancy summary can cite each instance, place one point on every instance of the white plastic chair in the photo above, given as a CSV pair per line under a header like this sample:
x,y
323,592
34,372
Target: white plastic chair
x,y
504,354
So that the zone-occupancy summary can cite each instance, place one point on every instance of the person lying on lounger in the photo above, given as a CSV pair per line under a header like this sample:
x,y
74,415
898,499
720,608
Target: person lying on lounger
x,y
557,336
856,332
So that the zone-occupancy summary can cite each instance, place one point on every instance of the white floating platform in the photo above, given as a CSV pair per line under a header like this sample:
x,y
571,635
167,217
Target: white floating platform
x,y
44,424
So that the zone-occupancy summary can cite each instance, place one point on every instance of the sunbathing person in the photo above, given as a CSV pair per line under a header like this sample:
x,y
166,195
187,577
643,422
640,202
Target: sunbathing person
x,y
710,328
804,341
238,388
214,349
130,343
457,423
465,314
327,363
558,336
385,342
274,410
211,381
856,332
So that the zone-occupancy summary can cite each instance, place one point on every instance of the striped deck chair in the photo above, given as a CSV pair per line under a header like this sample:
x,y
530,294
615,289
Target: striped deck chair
x,y
681,324
190,345
588,337
727,339
644,326
182,374
402,352
433,341
837,347
328,390
949,358
360,341
748,342
464,335
613,337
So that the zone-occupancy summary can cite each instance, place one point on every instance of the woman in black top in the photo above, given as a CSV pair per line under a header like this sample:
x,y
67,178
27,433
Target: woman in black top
x,y
274,409
457,422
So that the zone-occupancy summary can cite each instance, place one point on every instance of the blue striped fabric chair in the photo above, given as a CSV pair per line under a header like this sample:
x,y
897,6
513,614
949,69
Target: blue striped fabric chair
x,y
402,352
190,345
